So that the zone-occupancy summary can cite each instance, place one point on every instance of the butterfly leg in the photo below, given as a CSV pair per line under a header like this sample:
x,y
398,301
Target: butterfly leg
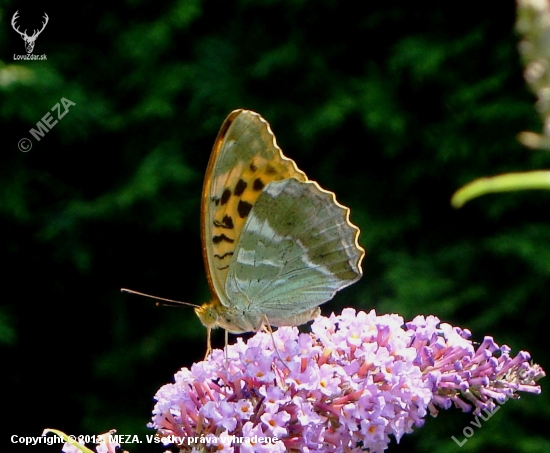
x,y
226,344
266,326
208,342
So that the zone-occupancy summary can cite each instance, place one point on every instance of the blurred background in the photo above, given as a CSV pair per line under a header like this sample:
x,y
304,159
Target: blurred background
x,y
391,107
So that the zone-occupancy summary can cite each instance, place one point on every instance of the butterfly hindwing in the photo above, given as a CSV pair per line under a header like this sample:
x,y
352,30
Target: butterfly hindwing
x,y
296,250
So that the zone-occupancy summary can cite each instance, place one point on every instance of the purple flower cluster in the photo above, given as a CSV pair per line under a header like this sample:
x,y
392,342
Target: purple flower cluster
x,y
355,381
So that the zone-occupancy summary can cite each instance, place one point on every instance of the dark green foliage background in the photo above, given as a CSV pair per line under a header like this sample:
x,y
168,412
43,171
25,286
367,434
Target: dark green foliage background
x,y
392,107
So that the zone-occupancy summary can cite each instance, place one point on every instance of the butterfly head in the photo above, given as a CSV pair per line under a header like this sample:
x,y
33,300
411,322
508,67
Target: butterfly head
x,y
214,314
208,314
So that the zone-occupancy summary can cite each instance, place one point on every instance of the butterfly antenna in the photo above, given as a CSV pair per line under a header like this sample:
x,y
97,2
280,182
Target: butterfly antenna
x,y
164,303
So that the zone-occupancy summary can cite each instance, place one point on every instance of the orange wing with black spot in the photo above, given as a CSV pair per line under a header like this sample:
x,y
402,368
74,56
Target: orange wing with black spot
x,y
245,158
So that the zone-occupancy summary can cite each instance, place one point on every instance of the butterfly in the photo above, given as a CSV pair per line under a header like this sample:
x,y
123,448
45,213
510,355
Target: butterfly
x,y
275,244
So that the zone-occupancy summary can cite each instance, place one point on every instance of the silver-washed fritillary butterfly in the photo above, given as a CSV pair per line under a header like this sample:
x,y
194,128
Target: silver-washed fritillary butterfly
x,y
275,245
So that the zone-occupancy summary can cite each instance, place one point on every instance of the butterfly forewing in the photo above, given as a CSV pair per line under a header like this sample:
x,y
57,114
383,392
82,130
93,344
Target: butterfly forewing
x,y
245,158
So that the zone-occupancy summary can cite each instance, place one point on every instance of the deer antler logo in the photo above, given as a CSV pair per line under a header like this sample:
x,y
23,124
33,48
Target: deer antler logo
x,y
29,40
